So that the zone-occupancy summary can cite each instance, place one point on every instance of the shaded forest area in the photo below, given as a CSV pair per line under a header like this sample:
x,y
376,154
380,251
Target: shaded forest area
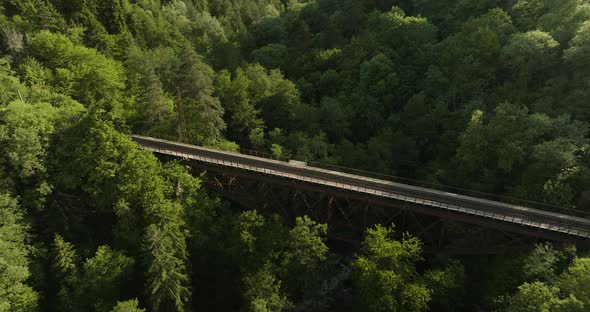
x,y
489,95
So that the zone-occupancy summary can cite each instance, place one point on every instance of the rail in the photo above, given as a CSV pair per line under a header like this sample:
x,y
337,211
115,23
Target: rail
x,y
425,184
436,199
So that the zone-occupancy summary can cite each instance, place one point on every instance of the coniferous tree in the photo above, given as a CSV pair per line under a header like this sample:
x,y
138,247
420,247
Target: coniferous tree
x,y
15,294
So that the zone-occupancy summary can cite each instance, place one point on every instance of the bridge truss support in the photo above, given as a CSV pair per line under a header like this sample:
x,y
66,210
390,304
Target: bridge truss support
x,y
349,214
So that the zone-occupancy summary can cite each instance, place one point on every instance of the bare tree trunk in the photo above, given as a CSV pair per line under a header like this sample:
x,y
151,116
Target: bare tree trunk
x,y
180,120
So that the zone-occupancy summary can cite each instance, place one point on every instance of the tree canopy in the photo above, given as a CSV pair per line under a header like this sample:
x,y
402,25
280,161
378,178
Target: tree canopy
x,y
485,95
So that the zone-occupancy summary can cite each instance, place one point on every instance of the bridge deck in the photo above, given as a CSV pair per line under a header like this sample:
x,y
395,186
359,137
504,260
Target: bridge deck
x,y
470,206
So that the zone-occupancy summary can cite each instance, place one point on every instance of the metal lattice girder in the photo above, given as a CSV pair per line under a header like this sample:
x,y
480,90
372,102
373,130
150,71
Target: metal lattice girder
x,y
500,216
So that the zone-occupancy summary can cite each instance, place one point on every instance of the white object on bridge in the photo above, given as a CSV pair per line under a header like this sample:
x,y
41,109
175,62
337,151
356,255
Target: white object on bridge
x,y
297,162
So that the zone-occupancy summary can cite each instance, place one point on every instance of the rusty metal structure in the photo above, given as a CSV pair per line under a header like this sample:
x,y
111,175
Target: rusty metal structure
x,y
350,203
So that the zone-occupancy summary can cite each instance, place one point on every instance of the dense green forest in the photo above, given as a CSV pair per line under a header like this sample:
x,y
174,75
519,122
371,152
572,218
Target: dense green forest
x,y
488,95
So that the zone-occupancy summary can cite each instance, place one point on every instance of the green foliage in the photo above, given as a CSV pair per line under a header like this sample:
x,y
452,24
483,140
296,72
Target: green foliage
x,y
270,56
132,182
199,112
470,57
544,263
402,33
236,95
281,266
482,94
263,293
96,34
563,289
530,49
579,48
276,150
562,18
104,277
65,269
147,71
127,306
256,137
305,256
227,146
166,274
10,84
83,73
28,127
385,274
96,284
307,243
540,297
105,166
447,284
255,244
15,294
40,14
527,12
26,130
575,280
65,256
444,13
378,77
512,138
529,53
254,94
110,13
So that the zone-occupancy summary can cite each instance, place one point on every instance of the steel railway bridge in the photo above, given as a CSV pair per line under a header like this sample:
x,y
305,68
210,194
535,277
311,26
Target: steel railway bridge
x,y
355,201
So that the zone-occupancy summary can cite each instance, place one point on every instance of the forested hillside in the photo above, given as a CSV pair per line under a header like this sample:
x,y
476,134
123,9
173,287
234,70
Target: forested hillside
x,y
488,95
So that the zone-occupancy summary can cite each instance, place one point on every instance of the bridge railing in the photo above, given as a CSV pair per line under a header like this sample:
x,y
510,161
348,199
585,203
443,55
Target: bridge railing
x,y
424,184
473,206
391,178
416,196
